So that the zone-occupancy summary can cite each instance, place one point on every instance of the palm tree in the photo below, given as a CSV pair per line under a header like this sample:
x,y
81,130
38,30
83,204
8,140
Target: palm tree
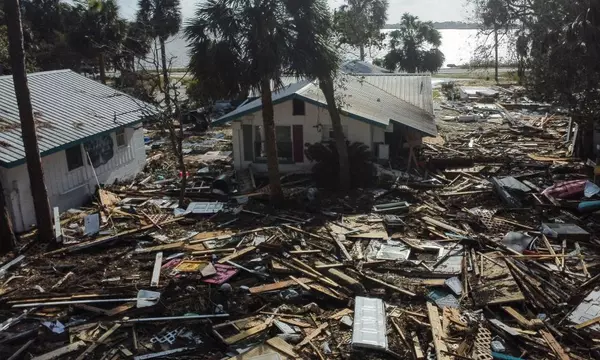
x,y
250,44
414,47
32,152
359,23
99,32
162,19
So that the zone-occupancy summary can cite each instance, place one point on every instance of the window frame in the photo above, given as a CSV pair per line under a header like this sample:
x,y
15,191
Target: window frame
x,y
77,165
120,132
258,140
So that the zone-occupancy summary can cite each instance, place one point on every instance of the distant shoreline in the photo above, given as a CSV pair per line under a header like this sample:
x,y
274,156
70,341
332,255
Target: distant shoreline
x,y
445,25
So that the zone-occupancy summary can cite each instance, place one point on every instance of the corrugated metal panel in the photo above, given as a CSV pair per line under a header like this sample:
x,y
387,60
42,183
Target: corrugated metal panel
x,y
68,108
365,100
414,89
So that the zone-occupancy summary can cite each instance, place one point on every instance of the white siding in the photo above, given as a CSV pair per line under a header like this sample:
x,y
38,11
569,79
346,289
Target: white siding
x,y
358,131
68,189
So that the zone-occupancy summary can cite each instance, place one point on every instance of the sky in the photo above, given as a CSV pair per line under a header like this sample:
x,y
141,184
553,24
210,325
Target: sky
x,y
429,10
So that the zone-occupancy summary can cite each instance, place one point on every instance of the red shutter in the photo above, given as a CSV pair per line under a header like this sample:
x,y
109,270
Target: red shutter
x,y
298,143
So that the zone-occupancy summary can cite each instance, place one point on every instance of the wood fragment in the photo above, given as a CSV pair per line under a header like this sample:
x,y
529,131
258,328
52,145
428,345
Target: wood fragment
x,y
247,333
278,285
237,254
280,344
517,316
340,314
17,354
55,354
302,285
436,330
442,225
554,345
316,349
312,335
389,286
417,346
100,340
590,322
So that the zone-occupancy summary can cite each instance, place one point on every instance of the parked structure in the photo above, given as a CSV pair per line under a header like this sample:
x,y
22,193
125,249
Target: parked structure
x,y
390,113
87,133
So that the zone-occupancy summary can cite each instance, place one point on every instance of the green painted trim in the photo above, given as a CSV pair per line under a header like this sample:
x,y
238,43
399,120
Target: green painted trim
x,y
68,145
226,118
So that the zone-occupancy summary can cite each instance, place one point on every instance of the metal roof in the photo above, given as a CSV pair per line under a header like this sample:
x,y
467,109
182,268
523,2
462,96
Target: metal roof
x,y
363,67
68,109
416,89
361,101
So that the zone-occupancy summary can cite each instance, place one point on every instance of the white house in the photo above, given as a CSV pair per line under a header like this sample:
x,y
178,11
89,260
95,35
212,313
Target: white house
x,y
388,118
84,129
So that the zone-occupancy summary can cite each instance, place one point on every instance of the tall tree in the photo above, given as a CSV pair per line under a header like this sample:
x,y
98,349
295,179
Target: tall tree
x,y
414,47
494,16
359,23
100,32
250,44
32,152
162,19
315,32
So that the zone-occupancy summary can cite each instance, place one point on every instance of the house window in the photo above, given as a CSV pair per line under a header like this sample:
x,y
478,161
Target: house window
x,y
328,134
299,107
283,138
74,157
120,134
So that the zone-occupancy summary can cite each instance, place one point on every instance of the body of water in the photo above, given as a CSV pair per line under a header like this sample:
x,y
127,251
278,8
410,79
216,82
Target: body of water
x,y
459,47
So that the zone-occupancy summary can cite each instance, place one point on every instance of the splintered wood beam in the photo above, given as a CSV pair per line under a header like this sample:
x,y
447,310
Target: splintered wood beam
x,y
237,254
156,271
441,350
554,345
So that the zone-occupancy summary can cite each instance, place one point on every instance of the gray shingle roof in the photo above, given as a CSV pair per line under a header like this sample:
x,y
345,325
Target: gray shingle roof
x,y
68,109
361,100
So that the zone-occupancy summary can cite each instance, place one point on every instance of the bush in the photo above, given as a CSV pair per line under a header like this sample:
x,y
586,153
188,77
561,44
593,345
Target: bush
x,y
326,171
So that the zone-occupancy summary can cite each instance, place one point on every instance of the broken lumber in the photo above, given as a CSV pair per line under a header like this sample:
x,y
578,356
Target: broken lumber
x,y
436,330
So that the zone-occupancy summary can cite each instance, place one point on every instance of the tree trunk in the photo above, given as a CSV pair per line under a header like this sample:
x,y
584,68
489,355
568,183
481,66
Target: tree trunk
x,y
270,141
326,86
32,153
496,51
102,66
182,166
362,52
7,236
165,73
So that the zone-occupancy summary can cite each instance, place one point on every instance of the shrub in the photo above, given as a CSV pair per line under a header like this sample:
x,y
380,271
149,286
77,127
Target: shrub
x,y
327,168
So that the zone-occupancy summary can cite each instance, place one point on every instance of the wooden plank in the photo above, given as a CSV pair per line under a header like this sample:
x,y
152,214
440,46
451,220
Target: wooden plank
x,y
304,252
550,249
302,285
247,333
554,345
340,314
121,308
282,346
295,322
417,346
156,271
106,239
91,308
436,330
213,251
237,254
389,286
306,232
442,225
329,266
57,228
312,335
337,238
100,340
61,351
370,235
517,316
588,323
342,277
277,286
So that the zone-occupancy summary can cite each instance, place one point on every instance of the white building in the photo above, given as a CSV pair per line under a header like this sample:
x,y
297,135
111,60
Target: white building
x,y
387,112
84,129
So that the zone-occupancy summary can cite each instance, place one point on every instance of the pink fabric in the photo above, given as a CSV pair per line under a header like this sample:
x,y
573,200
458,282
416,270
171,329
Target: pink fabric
x,y
566,189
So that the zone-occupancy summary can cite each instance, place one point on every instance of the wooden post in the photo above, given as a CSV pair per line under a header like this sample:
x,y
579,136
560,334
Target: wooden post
x,y
7,236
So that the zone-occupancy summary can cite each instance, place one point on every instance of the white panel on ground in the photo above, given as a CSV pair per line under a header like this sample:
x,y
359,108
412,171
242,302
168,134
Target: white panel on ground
x,y
369,324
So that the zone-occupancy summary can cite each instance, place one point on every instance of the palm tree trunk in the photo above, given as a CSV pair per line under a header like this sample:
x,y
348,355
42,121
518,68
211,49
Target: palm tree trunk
x,y
362,52
102,66
32,152
7,236
270,141
496,51
326,85
182,166
165,73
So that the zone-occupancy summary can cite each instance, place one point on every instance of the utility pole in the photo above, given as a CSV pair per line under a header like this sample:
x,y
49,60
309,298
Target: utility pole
x,y
32,152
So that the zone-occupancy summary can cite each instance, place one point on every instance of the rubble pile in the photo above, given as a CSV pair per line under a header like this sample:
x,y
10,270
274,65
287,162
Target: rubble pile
x,y
488,251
